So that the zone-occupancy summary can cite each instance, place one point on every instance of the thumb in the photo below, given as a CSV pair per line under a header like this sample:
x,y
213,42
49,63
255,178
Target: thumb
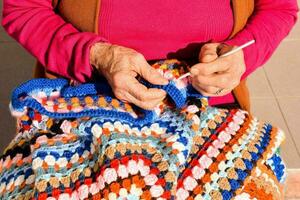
x,y
151,75
208,53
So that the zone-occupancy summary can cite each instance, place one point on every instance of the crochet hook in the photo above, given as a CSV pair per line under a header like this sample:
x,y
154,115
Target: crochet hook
x,y
224,55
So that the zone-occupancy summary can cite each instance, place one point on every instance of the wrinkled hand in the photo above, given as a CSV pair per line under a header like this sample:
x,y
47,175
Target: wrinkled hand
x,y
213,75
121,66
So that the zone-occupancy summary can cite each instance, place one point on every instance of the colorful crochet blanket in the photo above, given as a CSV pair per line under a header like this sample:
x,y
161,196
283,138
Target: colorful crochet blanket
x,y
78,142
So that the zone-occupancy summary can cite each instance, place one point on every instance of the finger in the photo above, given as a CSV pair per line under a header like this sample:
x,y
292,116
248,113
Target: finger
x,y
148,105
218,65
142,93
149,73
210,90
208,53
205,89
221,80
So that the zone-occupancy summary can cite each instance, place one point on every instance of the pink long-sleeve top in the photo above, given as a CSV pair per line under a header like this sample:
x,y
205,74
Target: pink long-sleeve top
x,y
157,29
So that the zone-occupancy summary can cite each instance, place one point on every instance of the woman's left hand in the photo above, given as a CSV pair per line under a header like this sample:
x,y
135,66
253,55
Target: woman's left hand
x,y
215,76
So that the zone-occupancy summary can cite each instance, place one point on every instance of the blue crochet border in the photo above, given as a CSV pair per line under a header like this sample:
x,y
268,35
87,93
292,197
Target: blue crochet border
x,y
49,85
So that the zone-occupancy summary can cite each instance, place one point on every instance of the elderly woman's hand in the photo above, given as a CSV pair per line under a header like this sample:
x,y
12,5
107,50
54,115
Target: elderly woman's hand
x,y
121,66
217,77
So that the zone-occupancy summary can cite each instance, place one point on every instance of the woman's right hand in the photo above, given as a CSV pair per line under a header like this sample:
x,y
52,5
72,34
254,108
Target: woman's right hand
x,y
121,66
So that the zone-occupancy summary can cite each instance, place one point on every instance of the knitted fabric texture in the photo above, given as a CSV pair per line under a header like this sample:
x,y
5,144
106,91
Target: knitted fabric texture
x,y
78,142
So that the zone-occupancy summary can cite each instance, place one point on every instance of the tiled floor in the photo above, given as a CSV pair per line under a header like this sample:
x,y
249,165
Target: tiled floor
x,y
275,97
292,185
275,94
276,88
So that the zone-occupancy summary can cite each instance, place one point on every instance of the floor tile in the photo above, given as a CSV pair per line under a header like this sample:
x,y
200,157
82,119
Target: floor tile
x,y
283,70
16,66
292,198
267,110
4,37
291,112
258,85
292,184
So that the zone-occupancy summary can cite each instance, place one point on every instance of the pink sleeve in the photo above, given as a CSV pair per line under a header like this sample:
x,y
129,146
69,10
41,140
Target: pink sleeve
x,y
55,43
271,21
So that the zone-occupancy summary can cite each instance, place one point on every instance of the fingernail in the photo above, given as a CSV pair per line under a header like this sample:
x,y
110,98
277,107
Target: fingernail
x,y
210,54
